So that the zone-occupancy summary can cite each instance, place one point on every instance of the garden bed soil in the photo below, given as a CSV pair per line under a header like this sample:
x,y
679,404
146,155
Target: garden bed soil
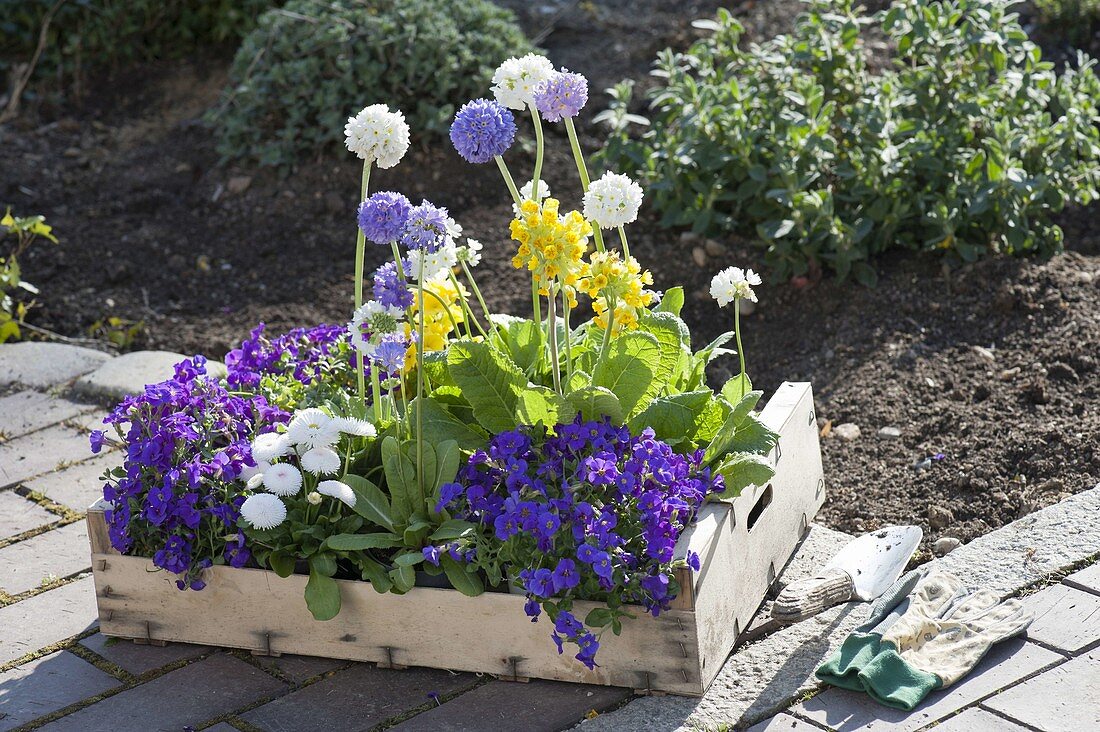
x,y
989,371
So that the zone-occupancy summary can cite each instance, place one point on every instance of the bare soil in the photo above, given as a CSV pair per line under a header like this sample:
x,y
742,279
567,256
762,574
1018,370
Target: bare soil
x,y
989,373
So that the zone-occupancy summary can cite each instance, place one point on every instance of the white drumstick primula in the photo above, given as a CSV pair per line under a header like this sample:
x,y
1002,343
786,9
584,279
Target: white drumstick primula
x,y
516,80
733,283
378,135
263,511
612,201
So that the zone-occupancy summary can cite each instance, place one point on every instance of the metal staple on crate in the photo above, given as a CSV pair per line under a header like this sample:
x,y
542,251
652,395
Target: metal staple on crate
x,y
812,418
683,649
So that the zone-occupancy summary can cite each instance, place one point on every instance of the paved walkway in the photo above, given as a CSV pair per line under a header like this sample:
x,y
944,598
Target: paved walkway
x,y
58,673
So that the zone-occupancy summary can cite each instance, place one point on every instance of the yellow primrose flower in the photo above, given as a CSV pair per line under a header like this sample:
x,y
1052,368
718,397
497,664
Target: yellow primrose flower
x,y
442,313
551,245
606,275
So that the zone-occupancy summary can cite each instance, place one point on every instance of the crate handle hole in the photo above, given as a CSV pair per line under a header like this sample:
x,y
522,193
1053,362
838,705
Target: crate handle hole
x,y
762,502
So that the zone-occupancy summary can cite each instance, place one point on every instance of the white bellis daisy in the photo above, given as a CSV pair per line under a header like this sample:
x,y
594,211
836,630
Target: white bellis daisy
x,y
263,511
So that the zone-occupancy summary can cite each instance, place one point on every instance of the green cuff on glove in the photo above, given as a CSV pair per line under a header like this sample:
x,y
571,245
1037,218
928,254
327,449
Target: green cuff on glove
x,y
889,680
842,668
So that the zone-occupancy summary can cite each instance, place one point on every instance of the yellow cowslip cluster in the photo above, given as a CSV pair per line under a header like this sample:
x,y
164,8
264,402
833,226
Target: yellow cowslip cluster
x,y
551,246
607,278
440,318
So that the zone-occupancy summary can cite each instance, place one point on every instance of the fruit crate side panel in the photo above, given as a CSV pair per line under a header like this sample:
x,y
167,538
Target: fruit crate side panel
x,y
758,532
257,610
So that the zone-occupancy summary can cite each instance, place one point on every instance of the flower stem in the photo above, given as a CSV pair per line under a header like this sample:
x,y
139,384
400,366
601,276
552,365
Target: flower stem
x,y
467,312
582,171
539,147
376,393
622,238
420,377
737,336
568,347
508,179
480,299
360,255
607,331
552,325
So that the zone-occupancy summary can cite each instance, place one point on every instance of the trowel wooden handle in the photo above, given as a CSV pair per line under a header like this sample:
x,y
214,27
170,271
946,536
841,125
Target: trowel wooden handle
x,y
805,598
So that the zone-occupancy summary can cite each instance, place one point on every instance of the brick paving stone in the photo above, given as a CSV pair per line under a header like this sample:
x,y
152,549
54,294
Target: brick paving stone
x,y
138,659
1064,699
299,669
47,684
129,374
27,411
41,452
355,699
537,706
47,618
77,486
978,720
784,723
1065,618
187,696
58,553
221,727
1007,662
42,365
17,515
1087,579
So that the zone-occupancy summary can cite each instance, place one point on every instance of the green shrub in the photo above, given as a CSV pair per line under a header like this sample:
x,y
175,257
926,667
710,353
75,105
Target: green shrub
x,y
967,144
307,67
94,33
1074,19
17,233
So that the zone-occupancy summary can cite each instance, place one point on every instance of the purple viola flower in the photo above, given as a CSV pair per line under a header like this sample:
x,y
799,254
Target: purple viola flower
x,y
533,609
482,130
601,565
656,586
541,583
447,493
564,94
382,217
693,561
425,228
587,553
431,554
565,575
588,646
95,439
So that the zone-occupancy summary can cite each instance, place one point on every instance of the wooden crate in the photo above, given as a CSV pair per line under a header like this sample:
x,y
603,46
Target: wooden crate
x,y
742,545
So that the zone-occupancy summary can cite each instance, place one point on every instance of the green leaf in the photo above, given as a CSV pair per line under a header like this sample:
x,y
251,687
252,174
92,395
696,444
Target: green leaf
x,y
376,574
522,339
409,559
489,382
736,388
741,432
598,617
281,563
675,417
452,529
630,369
322,594
403,578
440,425
537,405
468,583
324,563
370,502
743,407
361,542
593,403
740,470
447,458
672,302
674,341
400,480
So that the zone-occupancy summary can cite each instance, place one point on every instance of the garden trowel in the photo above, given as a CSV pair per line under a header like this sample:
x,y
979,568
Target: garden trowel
x,y
862,570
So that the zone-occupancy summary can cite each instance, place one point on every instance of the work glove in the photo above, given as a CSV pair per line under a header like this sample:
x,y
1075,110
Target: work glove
x,y
934,643
843,667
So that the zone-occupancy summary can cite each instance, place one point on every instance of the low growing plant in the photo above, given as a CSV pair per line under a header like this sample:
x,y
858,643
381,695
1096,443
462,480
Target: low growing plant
x,y
18,233
1075,20
286,86
967,144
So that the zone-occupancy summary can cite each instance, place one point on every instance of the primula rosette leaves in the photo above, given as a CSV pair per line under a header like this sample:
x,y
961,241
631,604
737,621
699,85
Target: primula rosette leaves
x,y
489,382
740,470
677,417
595,402
630,371
440,425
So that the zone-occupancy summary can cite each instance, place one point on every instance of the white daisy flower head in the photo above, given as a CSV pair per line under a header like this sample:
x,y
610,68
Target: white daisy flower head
x,y
321,461
339,491
356,427
516,80
310,428
378,135
525,195
251,471
268,446
733,283
471,253
282,479
612,201
314,498
263,511
254,482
